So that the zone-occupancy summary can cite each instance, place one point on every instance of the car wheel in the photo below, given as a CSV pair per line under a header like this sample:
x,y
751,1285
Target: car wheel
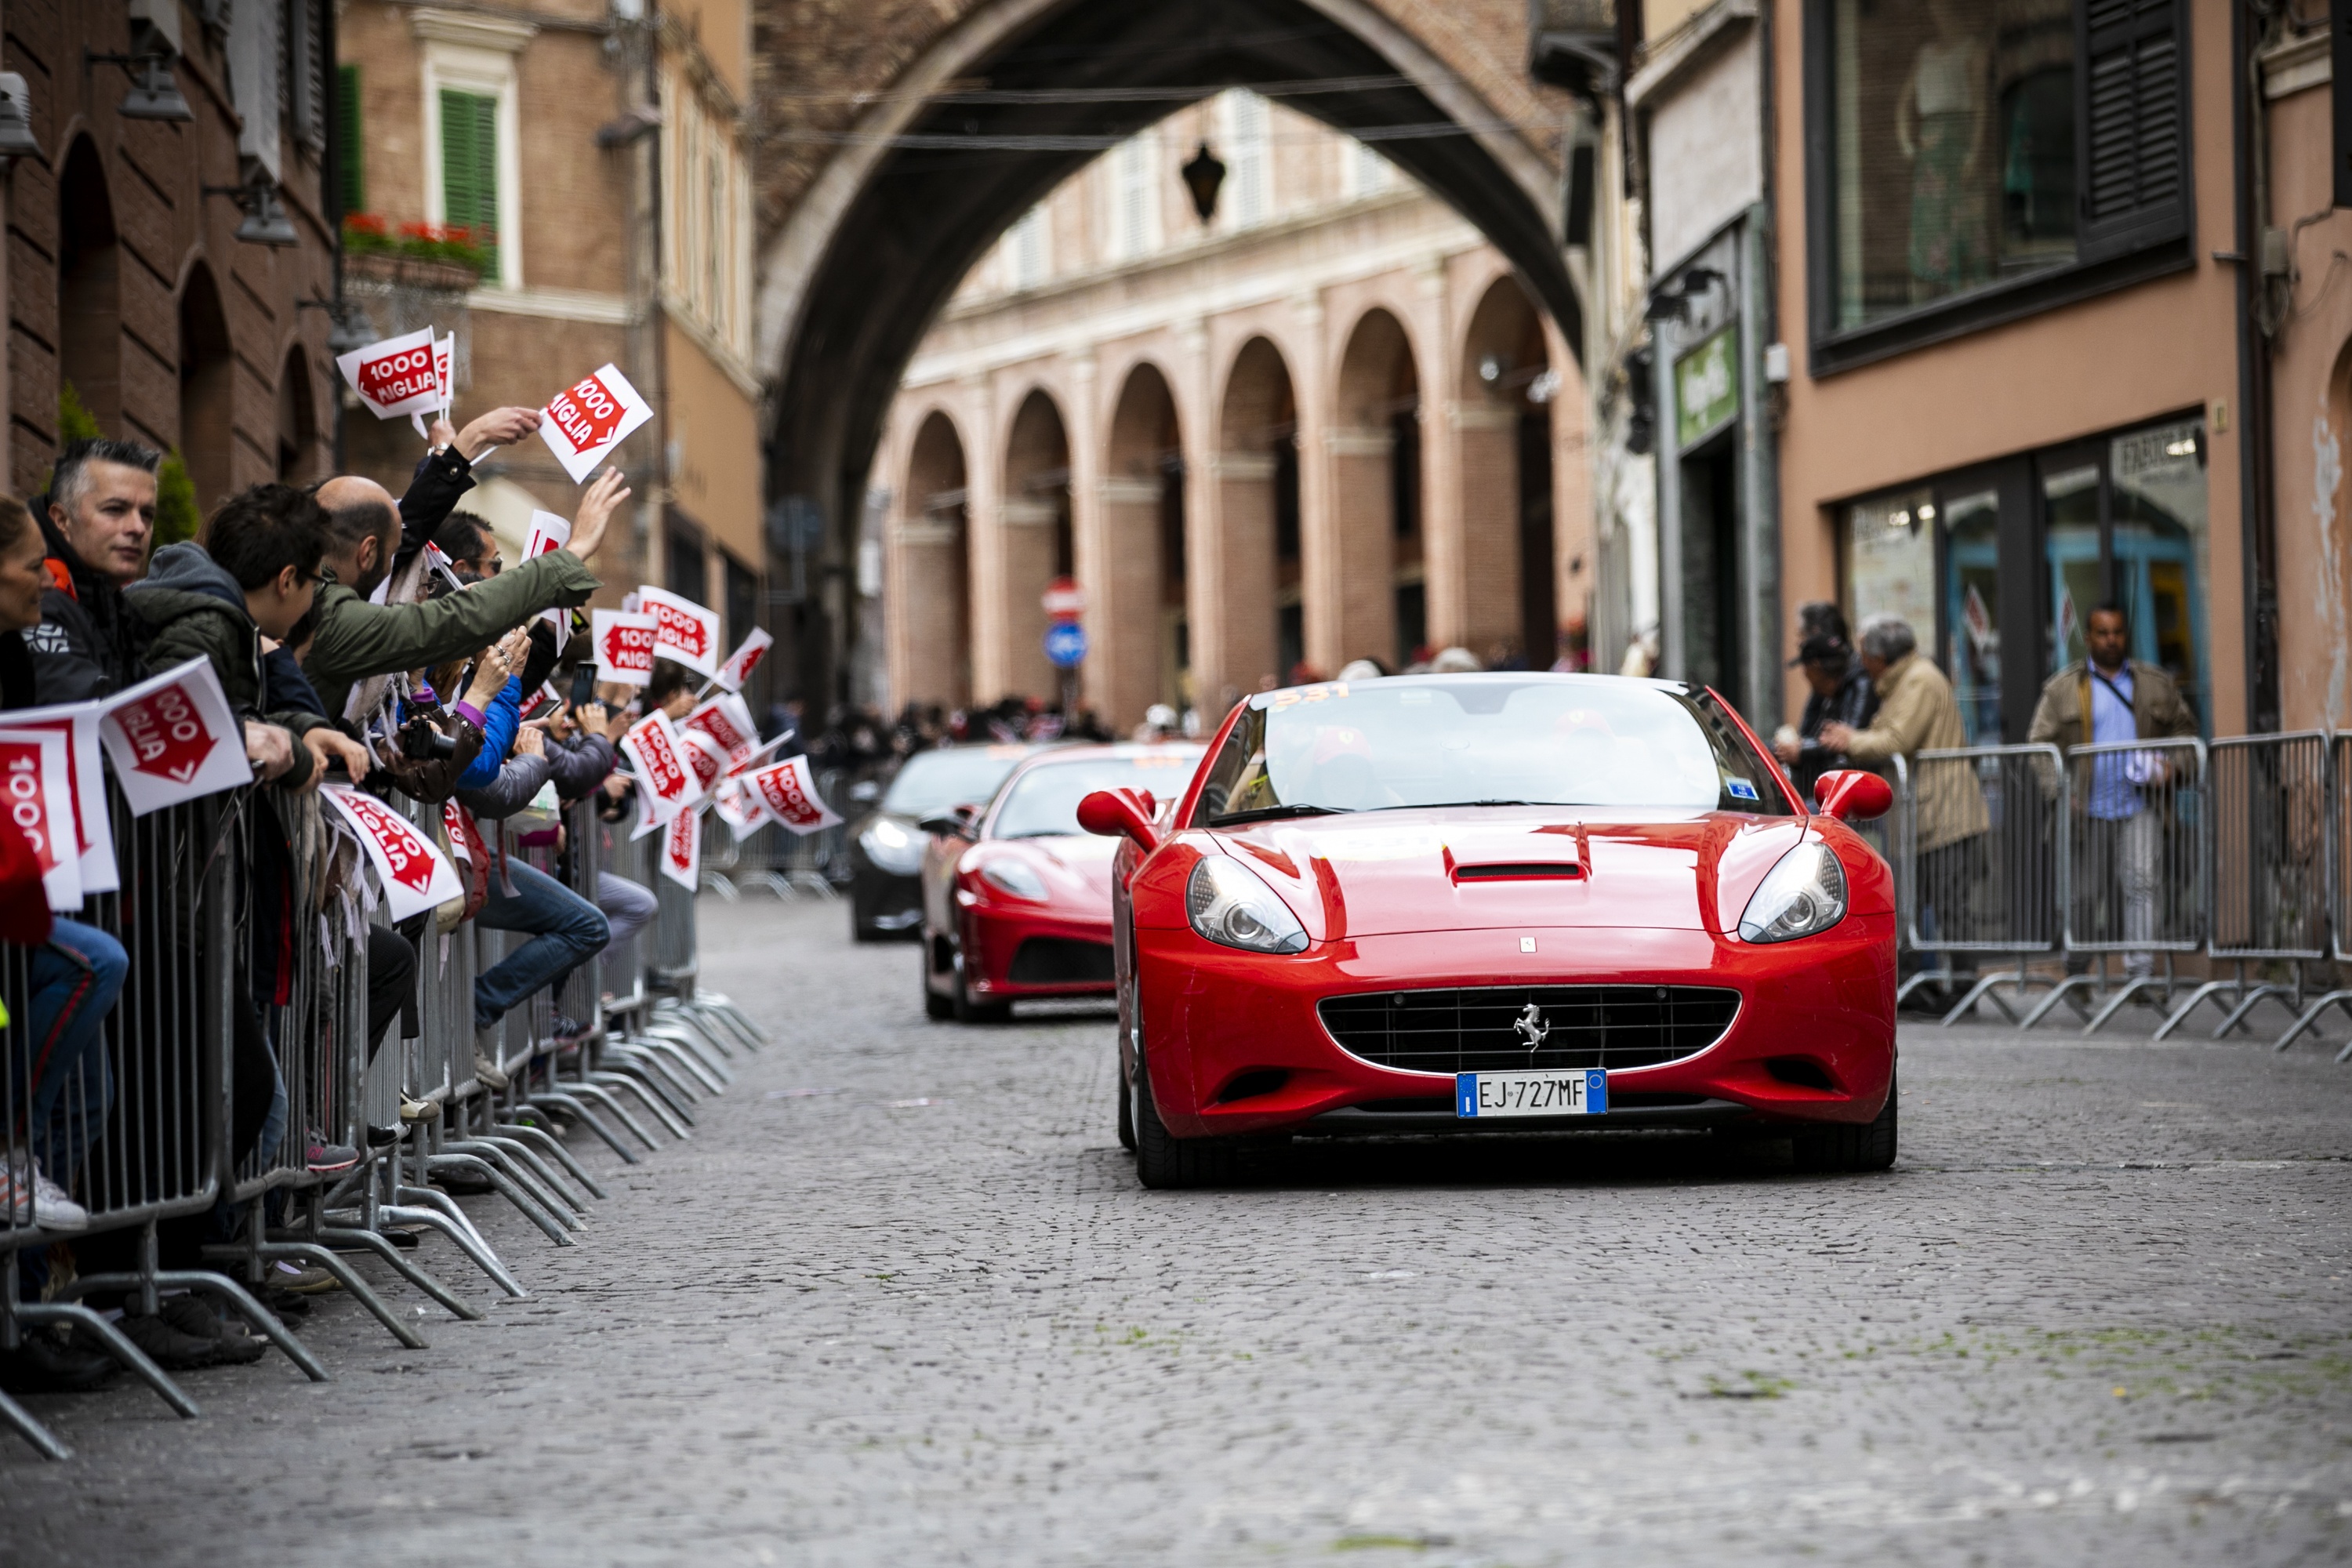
x,y
1163,1159
967,1011
1867,1148
936,1007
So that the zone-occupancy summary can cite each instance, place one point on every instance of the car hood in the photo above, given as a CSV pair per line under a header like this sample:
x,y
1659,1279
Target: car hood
x,y
1481,868
1077,868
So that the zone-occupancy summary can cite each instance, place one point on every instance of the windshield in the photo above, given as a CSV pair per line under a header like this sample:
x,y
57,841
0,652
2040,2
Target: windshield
x,y
932,782
1467,741
1044,800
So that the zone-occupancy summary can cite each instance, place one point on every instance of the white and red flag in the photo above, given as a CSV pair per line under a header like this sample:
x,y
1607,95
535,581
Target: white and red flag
x,y
737,671
36,792
550,532
702,754
585,421
408,866
173,738
737,808
624,646
396,375
86,777
683,630
788,792
726,719
681,855
666,779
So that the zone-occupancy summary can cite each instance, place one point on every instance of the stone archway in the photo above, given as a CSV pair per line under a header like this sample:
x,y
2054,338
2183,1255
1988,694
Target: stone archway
x,y
930,582
1141,638
298,457
1367,557
877,218
1252,583
1034,546
89,287
1501,591
207,389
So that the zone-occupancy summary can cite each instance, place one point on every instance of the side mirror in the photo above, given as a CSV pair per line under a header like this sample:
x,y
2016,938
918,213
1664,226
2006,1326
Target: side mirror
x,y
955,823
1852,795
1115,814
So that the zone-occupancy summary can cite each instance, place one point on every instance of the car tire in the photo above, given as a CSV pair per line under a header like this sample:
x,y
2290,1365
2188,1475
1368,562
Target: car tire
x,y
1162,1159
1867,1148
967,1011
1126,1105
938,1009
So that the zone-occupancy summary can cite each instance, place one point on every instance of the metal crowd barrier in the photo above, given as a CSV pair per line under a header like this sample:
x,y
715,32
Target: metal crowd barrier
x,y
2269,870
232,1065
1982,830
787,864
2337,851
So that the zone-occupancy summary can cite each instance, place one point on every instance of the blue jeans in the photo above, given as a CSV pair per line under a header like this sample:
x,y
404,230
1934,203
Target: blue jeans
x,y
75,981
565,929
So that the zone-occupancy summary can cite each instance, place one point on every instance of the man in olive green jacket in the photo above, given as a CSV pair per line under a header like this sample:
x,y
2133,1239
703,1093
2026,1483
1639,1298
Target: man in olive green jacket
x,y
353,640
1916,712
2122,850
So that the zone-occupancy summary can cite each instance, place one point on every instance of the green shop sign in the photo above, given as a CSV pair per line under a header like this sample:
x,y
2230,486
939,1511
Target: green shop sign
x,y
1706,388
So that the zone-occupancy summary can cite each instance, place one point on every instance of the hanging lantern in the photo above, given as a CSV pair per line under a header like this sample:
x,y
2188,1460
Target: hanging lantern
x,y
1202,176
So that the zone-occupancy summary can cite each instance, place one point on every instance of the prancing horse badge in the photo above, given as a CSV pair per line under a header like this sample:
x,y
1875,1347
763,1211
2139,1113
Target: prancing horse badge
x,y
1531,1027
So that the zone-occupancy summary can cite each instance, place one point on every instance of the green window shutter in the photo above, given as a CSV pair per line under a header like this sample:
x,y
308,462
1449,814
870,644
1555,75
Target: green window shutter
x,y
469,168
350,161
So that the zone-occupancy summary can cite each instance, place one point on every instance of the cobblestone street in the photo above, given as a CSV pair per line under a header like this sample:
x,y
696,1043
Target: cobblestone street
x,y
901,1301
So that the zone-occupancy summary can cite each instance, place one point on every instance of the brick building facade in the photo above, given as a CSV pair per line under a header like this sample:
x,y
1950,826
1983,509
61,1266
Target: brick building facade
x,y
127,274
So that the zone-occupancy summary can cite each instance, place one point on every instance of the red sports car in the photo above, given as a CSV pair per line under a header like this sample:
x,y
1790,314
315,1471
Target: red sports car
x,y
1499,902
1016,895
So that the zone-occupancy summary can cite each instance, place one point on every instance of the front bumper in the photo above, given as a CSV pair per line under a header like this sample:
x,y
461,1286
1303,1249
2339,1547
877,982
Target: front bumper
x,y
1220,1024
995,934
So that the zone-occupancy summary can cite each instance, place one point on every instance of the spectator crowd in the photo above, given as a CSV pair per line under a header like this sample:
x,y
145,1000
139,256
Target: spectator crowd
x,y
360,640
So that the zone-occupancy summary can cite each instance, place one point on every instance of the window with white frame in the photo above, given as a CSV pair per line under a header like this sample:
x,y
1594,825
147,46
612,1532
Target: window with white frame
x,y
706,205
1249,141
1362,172
1027,259
1134,197
473,169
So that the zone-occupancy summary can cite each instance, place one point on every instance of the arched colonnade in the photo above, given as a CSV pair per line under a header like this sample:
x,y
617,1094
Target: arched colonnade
x,y
1361,470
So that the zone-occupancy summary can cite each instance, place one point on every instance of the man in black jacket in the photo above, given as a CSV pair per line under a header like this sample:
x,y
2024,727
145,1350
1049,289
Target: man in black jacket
x,y
1841,694
100,515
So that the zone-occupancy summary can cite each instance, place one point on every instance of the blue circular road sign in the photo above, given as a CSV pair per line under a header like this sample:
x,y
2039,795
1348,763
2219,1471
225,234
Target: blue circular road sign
x,y
1066,643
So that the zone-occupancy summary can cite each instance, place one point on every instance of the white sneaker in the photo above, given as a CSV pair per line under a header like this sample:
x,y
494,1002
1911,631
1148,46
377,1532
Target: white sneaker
x,y
487,1071
53,1209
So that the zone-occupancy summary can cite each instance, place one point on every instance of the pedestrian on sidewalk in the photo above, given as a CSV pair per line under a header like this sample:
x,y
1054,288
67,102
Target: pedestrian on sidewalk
x,y
2111,697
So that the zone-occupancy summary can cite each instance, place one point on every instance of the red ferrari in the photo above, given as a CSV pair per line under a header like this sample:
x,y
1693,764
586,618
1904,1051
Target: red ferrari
x,y
1498,902
1016,895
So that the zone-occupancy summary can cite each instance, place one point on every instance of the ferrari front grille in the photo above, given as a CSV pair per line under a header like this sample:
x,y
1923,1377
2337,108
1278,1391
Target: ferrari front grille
x,y
1495,1028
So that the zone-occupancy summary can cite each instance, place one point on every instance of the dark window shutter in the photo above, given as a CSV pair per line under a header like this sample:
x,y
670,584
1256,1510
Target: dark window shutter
x,y
351,158
2135,125
469,168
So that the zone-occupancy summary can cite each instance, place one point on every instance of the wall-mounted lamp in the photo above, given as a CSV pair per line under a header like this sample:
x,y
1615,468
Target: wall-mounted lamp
x,y
352,328
266,222
155,92
16,138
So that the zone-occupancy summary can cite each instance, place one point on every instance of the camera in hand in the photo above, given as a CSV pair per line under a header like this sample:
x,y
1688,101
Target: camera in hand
x,y
421,742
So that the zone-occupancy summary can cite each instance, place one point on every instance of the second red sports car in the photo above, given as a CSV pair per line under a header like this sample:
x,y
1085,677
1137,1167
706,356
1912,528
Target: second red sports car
x,y
1016,895
1508,901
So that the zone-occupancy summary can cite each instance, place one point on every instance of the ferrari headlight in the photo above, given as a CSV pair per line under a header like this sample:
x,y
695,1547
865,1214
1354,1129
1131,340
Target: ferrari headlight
x,y
1805,893
1015,877
1228,904
892,847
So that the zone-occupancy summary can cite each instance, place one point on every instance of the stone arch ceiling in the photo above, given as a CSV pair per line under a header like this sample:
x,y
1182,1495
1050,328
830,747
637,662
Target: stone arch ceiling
x,y
860,244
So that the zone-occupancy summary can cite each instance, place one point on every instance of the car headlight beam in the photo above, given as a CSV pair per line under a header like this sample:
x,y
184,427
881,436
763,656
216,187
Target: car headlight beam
x,y
892,847
1228,904
1802,895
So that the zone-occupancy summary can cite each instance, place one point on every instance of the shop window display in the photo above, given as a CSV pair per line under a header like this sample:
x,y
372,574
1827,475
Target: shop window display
x,y
1955,149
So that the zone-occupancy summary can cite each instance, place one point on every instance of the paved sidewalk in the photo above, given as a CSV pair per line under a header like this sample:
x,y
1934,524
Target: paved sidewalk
x,y
901,1301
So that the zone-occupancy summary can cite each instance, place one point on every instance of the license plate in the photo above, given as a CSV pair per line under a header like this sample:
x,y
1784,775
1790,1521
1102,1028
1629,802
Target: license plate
x,y
1553,1091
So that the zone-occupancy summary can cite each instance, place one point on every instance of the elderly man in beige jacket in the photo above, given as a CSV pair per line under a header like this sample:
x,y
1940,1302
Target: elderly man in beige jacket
x,y
1916,712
